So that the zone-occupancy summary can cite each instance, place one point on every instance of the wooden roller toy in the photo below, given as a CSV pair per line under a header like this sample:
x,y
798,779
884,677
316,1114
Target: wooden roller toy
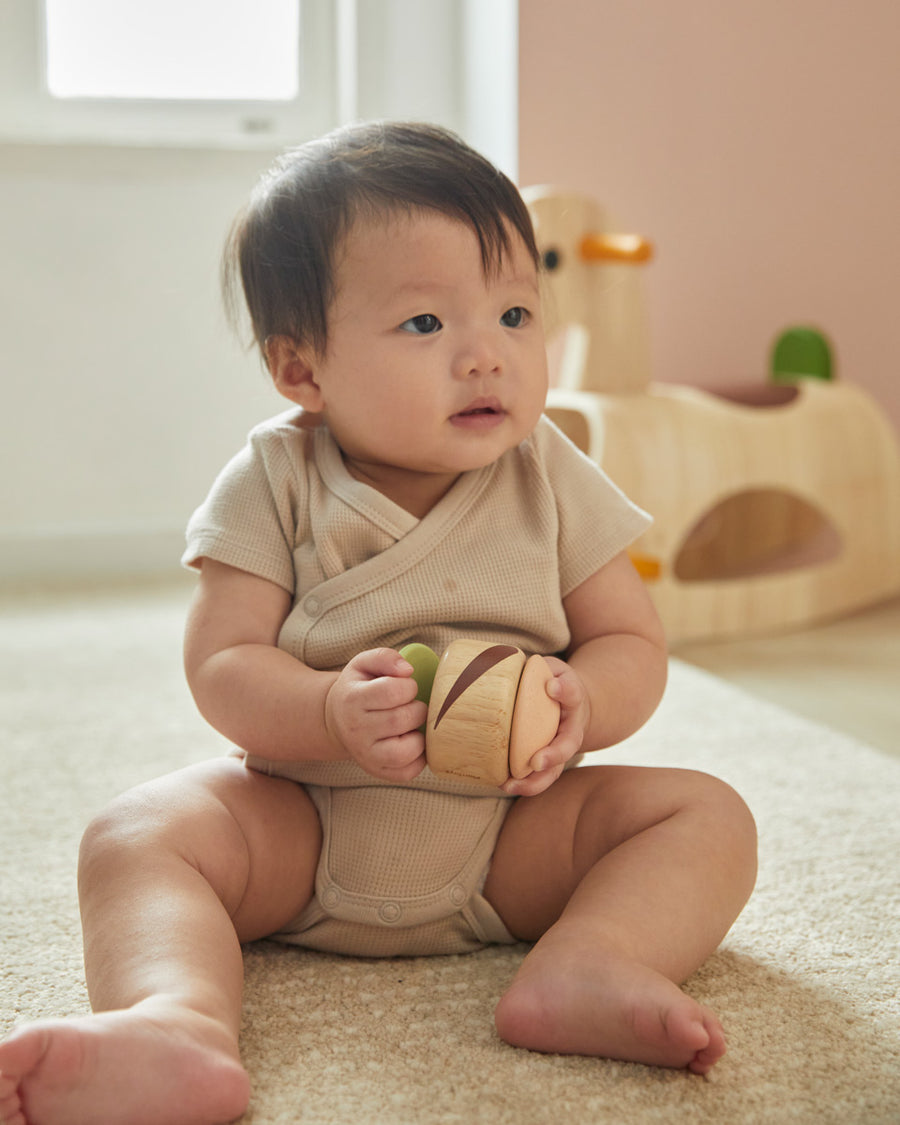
x,y
488,709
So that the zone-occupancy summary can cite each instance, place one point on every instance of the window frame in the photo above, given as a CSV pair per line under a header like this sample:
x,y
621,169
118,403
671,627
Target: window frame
x,y
454,62
29,113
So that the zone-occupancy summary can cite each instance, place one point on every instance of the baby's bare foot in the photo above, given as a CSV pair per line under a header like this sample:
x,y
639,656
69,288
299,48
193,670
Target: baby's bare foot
x,y
609,1006
142,1066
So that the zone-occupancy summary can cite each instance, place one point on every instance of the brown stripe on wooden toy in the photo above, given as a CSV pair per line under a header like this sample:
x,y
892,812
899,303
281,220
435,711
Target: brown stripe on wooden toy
x,y
489,713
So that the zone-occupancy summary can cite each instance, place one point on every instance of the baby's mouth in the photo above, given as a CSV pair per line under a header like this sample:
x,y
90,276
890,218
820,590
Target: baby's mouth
x,y
481,406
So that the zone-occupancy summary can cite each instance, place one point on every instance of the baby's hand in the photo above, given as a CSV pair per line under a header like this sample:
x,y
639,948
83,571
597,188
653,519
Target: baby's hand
x,y
569,692
372,711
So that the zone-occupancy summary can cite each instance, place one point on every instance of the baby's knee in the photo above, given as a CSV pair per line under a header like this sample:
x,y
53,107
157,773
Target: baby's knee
x,y
731,806
162,815
175,811
126,823
732,824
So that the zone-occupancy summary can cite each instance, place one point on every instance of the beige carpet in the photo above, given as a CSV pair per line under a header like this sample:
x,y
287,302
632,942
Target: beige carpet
x,y
92,701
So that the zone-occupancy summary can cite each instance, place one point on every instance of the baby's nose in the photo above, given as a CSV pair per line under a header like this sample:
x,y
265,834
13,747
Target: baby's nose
x,y
480,355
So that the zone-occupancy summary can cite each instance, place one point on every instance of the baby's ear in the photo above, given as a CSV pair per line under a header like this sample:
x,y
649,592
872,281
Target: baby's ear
x,y
292,370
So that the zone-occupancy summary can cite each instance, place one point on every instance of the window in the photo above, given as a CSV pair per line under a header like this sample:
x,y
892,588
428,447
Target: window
x,y
56,85
246,50
262,73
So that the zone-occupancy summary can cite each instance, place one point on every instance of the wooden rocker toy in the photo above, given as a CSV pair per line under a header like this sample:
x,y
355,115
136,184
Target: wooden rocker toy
x,y
774,506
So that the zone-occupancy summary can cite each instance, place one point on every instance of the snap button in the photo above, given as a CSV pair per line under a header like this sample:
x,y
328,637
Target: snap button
x,y
390,912
312,605
458,895
331,898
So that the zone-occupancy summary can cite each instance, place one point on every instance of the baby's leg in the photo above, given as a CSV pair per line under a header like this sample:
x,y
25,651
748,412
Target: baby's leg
x,y
627,879
172,879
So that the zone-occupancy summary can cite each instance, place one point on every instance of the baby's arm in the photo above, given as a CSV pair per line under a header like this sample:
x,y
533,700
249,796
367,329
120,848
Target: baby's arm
x,y
614,673
269,703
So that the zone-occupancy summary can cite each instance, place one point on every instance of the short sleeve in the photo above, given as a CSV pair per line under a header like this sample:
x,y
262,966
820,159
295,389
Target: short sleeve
x,y
249,518
596,519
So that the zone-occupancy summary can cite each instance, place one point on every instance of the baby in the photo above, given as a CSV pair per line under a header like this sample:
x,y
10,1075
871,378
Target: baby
x,y
417,494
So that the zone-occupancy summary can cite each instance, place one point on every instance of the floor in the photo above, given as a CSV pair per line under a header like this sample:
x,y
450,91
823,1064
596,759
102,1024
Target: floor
x,y
845,674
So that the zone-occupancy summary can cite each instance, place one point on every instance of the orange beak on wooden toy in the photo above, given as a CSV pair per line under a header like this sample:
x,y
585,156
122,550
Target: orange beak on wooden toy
x,y
629,248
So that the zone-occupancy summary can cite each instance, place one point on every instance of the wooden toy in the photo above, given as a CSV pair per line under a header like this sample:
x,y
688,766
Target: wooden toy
x,y
488,711
593,297
776,505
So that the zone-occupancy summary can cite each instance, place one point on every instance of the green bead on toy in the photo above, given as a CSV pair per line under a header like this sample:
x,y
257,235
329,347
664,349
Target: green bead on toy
x,y
425,663
801,353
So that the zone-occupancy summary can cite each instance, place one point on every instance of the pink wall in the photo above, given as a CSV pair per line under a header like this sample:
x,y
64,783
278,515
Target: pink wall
x,y
758,144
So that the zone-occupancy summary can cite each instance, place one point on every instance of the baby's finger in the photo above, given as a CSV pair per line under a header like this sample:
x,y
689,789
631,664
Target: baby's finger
x,y
376,662
565,689
398,759
392,722
533,784
557,753
387,693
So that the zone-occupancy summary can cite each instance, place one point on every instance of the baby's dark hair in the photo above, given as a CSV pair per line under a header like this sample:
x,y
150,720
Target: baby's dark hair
x,y
282,247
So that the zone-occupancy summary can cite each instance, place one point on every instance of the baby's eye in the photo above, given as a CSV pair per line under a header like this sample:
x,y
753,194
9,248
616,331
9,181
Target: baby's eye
x,y
514,317
423,325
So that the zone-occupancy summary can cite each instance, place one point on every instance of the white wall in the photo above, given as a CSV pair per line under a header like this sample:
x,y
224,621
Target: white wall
x,y
123,390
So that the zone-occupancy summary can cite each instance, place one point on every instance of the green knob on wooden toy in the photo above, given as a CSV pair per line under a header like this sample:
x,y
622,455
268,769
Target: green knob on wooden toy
x,y
799,353
425,663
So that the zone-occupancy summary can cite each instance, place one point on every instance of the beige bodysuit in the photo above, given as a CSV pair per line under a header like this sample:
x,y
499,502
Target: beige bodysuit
x,y
402,866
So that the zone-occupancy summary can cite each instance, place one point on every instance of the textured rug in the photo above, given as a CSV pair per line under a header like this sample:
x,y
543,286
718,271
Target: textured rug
x,y
807,982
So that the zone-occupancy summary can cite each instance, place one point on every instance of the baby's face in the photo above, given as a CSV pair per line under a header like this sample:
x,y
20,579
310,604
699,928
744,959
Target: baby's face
x,y
432,368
